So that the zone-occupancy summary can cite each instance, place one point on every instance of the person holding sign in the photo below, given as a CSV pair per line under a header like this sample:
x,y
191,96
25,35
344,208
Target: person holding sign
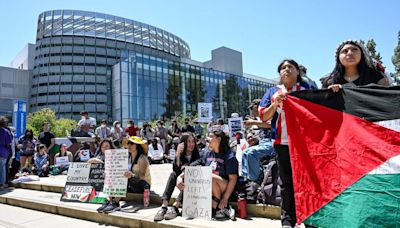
x,y
138,172
62,160
41,162
224,166
104,145
187,154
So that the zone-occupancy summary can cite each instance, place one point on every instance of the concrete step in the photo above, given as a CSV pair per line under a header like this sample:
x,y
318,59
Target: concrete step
x,y
56,184
50,202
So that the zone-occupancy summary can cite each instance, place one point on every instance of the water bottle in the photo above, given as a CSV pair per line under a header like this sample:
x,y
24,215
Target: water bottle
x,y
242,206
146,197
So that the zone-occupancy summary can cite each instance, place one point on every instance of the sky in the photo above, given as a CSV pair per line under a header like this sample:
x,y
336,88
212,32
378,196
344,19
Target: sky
x,y
265,31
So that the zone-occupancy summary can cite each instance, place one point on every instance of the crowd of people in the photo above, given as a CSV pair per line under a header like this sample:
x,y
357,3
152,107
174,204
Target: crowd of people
x,y
264,138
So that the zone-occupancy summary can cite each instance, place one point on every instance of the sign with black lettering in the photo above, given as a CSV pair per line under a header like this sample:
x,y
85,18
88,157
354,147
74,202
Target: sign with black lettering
x,y
116,163
84,183
197,193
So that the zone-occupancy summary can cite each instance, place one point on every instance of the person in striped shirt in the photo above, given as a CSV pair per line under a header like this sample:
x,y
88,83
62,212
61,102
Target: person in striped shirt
x,y
270,108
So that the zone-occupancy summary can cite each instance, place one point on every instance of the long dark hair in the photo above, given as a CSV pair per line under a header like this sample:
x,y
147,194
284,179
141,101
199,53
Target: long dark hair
x,y
224,143
184,139
365,67
101,143
295,64
26,131
139,152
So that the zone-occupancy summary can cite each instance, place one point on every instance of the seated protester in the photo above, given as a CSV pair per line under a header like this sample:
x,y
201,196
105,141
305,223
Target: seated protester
x,y
104,145
41,162
224,174
138,173
57,168
251,167
187,154
85,146
103,131
156,151
174,130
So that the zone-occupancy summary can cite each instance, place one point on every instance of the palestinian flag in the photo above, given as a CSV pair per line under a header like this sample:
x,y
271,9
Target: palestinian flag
x,y
345,155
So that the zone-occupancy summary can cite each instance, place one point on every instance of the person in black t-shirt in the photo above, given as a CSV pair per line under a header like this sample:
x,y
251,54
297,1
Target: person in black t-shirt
x,y
48,138
224,167
187,127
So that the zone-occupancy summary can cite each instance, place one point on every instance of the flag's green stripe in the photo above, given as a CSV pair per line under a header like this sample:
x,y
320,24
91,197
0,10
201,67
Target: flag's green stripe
x,y
373,201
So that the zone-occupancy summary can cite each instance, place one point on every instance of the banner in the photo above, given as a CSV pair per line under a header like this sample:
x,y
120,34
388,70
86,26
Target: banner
x,y
116,163
204,112
19,117
84,183
197,192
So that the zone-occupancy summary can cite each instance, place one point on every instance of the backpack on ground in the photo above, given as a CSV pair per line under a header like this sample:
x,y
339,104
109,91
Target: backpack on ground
x,y
269,190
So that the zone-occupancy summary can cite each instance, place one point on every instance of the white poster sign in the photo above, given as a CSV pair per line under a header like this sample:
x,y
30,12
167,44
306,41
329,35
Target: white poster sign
x,y
62,160
235,125
116,163
78,172
204,112
197,193
84,155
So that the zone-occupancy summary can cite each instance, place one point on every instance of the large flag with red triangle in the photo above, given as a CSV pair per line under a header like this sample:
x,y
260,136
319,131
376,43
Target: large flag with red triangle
x,y
345,155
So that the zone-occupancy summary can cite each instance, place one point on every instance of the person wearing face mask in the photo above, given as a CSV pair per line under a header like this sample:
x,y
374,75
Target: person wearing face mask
x,y
90,122
117,133
26,145
103,131
187,127
131,129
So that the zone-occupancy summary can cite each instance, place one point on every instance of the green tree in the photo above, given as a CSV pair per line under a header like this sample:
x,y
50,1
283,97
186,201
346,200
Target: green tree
x,y
58,126
396,60
371,46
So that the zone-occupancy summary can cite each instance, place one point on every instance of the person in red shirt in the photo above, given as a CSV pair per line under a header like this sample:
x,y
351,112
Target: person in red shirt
x,y
131,129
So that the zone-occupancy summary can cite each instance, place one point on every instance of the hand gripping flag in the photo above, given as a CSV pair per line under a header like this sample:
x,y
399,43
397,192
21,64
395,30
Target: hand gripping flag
x,y
345,155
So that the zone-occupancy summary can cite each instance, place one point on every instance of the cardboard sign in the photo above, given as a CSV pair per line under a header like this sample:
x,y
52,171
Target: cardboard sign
x,y
79,193
62,160
235,125
204,112
197,193
116,163
84,183
84,155
78,172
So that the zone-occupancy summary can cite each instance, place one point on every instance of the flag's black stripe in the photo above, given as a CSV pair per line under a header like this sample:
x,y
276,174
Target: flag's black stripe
x,y
373,103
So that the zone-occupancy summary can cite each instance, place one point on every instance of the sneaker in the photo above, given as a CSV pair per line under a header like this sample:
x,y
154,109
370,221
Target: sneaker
x,y
112,207
220,215
160,214
228,212
104,205
171,213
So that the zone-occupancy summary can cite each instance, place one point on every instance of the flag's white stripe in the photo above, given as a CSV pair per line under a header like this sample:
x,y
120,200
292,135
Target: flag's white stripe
x,y
391,124
391,166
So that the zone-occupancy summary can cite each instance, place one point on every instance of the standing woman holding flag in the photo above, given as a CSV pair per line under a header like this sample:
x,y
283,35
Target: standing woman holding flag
x,y
271,108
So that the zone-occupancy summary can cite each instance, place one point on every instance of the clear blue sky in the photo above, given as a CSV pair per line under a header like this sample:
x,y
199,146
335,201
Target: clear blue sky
x,y
264,31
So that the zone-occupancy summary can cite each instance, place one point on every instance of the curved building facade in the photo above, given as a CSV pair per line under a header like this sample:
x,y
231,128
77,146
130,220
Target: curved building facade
x,y
119,69
74,55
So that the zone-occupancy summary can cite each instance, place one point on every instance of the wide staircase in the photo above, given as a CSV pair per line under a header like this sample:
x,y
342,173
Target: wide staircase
x,y
44,195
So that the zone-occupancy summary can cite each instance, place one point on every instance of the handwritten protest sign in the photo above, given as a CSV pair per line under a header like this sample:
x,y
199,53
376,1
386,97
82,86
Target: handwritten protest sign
x,y
78,172
197,193
62,160
84,183
116,163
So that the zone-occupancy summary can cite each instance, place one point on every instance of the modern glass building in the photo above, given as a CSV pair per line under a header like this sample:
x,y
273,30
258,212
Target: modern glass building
x,y
117,68
150,87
